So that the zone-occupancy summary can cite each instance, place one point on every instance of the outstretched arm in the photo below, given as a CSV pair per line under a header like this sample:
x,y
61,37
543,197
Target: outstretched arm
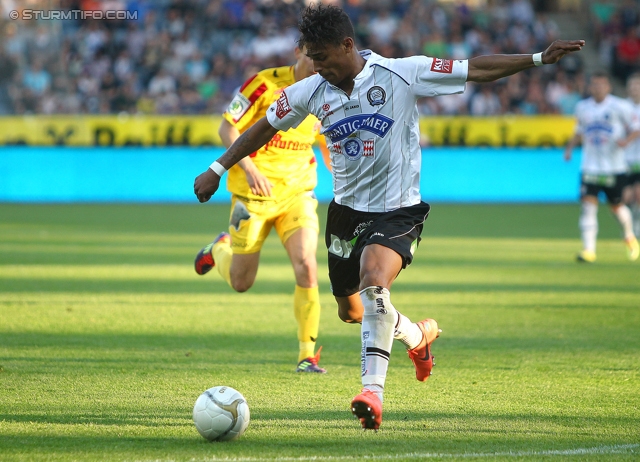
x,y
206,184
493,67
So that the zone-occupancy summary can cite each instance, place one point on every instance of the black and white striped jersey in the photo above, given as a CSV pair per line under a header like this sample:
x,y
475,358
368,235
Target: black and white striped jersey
x,y
632,150
602,125
373,134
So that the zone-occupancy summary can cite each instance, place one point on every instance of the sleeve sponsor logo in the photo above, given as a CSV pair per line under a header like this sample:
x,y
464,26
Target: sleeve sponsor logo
x,y
238,106
377,124
282,106
444,66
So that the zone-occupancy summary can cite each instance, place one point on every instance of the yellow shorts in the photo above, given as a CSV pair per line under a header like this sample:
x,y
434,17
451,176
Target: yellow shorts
x,y
251,221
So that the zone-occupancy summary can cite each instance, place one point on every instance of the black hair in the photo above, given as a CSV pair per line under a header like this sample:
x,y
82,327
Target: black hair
x,y
324,25
600,74
634,76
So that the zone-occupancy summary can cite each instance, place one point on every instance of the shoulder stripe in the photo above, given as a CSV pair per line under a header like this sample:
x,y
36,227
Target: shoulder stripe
x,y
246,84
257,93
381,66
314,91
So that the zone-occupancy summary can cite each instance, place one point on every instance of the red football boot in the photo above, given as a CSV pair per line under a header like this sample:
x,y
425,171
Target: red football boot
x,y
421,355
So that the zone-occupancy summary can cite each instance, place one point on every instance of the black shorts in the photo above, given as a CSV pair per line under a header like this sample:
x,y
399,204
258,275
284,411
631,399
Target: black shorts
x,y
633,178
610,185
348,232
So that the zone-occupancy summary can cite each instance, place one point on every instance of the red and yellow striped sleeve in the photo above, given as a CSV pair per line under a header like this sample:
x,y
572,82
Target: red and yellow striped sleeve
x,y
247,106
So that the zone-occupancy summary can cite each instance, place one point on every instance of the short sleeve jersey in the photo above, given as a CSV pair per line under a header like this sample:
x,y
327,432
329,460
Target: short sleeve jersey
x,y
632,150
373,133
287,160
601,126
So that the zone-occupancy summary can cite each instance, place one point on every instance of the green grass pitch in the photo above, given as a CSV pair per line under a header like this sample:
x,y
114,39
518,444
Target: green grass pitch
x,y
107,337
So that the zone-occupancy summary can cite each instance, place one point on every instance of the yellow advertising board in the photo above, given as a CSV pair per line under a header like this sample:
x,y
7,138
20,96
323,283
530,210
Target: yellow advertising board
x,y
505,131
85,130
110,131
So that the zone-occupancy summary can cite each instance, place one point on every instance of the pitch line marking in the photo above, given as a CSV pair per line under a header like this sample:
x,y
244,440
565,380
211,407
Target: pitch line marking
x,y
615,449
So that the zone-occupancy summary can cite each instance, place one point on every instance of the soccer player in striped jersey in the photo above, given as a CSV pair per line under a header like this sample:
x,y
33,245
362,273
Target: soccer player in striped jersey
x,y
367,106
631,194
606,125
272,188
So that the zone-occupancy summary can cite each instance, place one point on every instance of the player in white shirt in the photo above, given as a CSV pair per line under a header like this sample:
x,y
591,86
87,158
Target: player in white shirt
x,y
631,195
367,107
605,125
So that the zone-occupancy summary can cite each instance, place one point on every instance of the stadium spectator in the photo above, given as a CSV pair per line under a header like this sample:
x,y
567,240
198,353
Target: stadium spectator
x,y
36,79
191,37
485,102
628,53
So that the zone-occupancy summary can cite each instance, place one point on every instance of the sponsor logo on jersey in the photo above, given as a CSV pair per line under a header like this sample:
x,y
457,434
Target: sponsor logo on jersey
x,y
353,148
282,106
291,145
374,123
340,247
368,148
361,227
238,106
325,107
444,66
599,126
376,96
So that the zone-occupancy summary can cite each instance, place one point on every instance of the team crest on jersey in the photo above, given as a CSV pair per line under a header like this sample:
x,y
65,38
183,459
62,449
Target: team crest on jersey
x,y
238,106
376,96
282,106
355,148
444,66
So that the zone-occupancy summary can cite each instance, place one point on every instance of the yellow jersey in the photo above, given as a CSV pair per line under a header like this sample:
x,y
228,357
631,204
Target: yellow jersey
x,y
287,160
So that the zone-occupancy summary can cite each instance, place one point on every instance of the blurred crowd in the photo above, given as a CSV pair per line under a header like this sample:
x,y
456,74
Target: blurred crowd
x,y
190,56
616,27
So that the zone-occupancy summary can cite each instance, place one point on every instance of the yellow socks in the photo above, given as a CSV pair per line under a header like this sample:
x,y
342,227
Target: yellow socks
x,y
306,307
222,255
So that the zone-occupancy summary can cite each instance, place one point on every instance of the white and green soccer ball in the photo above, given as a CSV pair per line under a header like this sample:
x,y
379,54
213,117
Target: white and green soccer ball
x,y
221,414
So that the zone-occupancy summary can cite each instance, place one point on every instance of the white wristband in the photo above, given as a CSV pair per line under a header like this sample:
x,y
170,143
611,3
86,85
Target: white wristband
x,y
537,59
218,168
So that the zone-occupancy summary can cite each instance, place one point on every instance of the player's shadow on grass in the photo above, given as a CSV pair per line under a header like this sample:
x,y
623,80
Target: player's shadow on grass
x,y
211,285
409,434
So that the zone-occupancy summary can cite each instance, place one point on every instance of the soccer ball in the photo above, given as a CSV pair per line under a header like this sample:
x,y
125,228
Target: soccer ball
x,y
221,414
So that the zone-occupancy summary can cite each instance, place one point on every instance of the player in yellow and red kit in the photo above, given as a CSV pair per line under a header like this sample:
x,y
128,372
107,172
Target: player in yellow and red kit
x,y
272,188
